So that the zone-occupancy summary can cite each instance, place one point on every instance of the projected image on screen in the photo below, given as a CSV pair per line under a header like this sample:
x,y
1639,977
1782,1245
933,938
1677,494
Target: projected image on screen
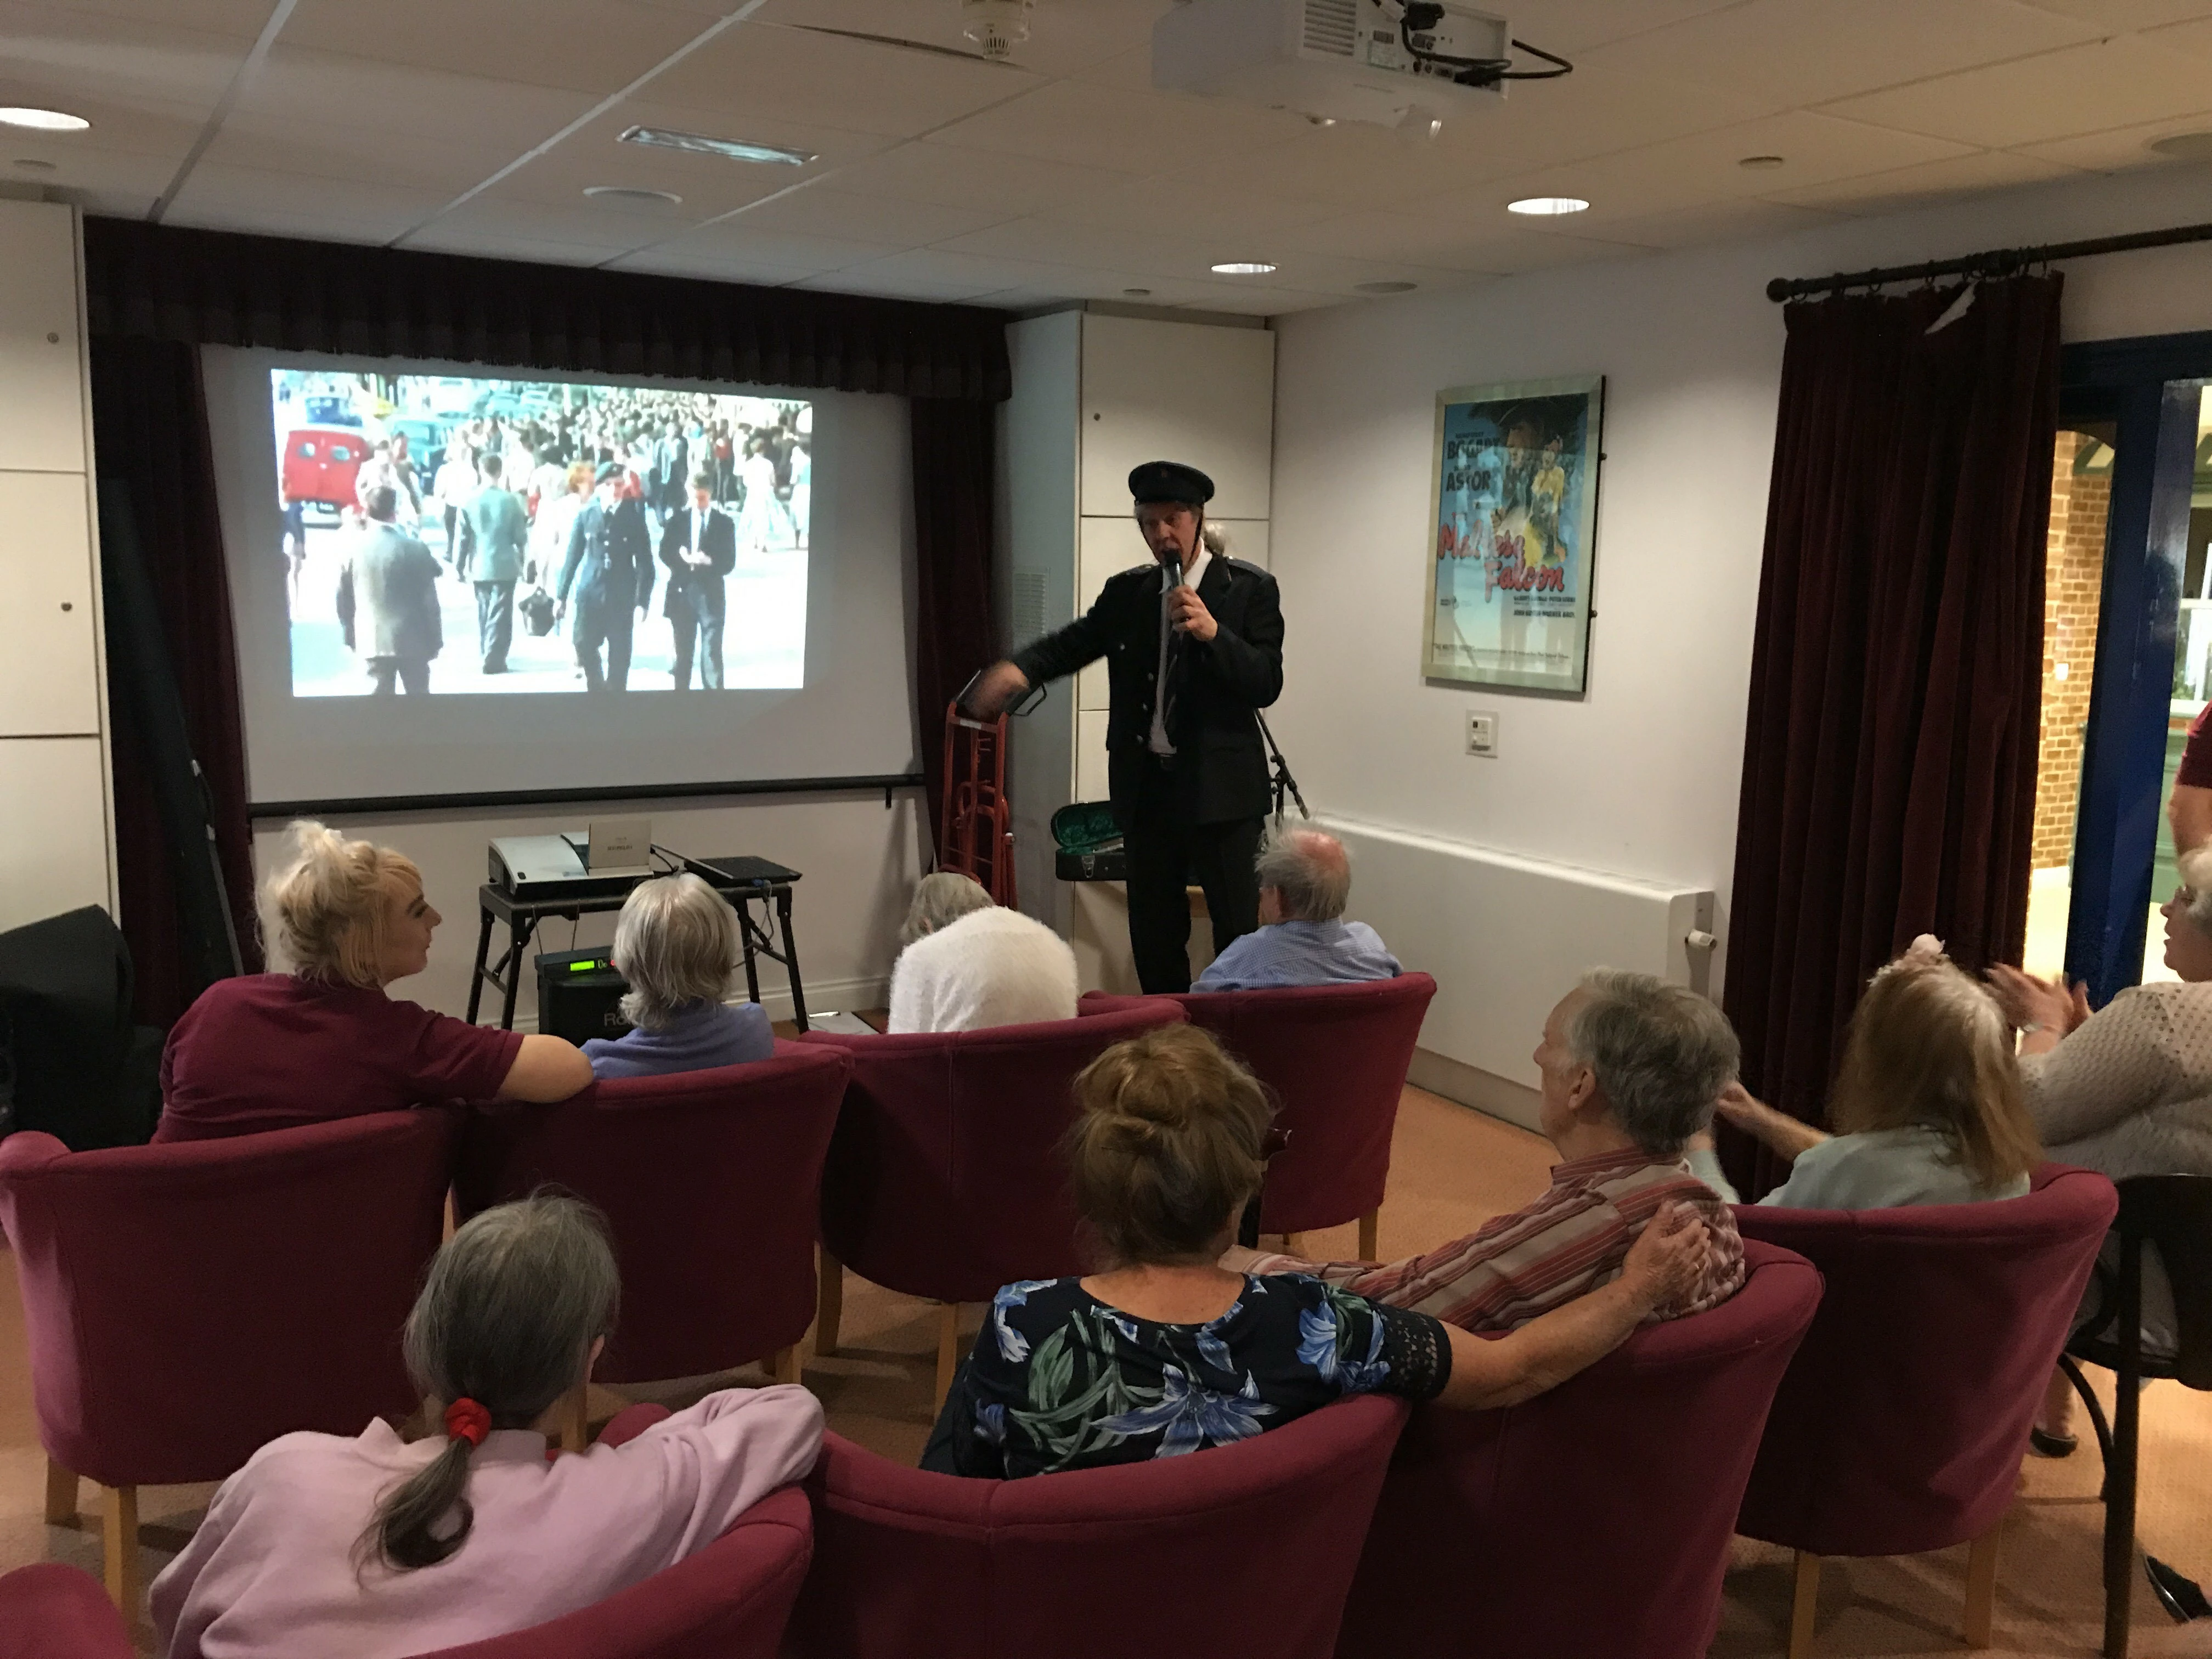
x,y
443,535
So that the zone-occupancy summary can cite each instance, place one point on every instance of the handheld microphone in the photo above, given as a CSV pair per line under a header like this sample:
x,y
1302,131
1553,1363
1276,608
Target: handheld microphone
x,y
1175,570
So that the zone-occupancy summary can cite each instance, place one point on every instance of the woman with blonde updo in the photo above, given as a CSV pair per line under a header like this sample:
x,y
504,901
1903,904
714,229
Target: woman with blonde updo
x,y
1163,1352
270,1051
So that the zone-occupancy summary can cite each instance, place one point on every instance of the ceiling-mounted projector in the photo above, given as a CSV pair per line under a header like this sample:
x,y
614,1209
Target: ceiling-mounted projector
x,y
1385,62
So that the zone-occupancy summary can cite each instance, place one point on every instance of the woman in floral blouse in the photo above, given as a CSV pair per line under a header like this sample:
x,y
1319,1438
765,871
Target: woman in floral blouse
x,y
1166,1352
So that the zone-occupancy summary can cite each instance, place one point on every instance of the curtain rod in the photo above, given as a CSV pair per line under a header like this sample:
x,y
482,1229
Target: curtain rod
x,y
1996,262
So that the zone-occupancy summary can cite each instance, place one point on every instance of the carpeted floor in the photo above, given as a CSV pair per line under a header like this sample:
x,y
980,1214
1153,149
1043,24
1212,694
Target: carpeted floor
x,y
1452,1168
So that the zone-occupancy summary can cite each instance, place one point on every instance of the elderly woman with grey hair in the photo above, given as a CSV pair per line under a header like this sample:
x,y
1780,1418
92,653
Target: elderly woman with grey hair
x,y
676,942
969,963
1630,1068
2126,1091
1305,881
373,1547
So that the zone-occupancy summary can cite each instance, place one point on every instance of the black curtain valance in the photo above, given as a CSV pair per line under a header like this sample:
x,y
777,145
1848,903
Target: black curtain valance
x,y
214,288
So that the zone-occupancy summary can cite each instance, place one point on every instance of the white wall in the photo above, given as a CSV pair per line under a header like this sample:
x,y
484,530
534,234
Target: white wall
x,y
57,829
859,864
1640,777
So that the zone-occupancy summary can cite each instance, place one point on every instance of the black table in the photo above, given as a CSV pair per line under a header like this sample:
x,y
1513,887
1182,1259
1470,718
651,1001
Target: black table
x,y
742,881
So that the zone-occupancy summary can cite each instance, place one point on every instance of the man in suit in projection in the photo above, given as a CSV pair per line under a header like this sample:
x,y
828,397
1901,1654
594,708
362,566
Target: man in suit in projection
x,y
387,598
609,563
699,545
493,528
1193,646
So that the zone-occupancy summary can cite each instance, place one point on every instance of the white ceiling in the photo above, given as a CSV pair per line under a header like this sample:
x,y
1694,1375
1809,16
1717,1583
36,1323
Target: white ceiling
x,y
475,126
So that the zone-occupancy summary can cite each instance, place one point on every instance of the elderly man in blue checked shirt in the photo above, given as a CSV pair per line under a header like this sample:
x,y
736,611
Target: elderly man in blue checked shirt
x,y
1305,877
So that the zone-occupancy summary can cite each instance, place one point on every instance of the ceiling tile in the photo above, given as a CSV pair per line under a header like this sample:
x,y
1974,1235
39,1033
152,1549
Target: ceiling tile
x,y
132,129
492,120
1571,27
1087,125
2120,16
384,209
586,45
260,219
1808,51
1159,205
942,176
82,173
606,225
345,155
870,279
242,20
1065,39
1901,189
2194,38
1056,241
942,267
2088,89
1599,109
61,57
816,252
1430,240
1352,165
2118,150
673,260
759,71
831,212
490,244
1816,149
1717,222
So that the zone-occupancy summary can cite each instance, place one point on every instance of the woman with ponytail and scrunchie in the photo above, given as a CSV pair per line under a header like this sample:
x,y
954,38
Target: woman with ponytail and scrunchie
x,y
326,1039
374,1548
1165,1352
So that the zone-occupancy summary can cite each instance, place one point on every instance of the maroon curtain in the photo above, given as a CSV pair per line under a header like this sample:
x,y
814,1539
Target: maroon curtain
x,y
150,437
214,288
1890,747
954,462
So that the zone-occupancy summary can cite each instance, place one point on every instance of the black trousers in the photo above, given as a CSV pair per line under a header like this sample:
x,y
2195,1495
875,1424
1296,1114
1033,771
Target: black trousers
x,y
412,673
602,622
1166,851
495,623
705,632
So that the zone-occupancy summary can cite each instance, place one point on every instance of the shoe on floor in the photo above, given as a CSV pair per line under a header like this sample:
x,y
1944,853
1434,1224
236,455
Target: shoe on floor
x,y
2049,1445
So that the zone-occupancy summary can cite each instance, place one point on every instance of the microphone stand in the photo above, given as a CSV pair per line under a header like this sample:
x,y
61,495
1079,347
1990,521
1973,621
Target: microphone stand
x,y
1284,783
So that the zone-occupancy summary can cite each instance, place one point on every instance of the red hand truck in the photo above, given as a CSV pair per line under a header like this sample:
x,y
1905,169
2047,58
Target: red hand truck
x,y
976,836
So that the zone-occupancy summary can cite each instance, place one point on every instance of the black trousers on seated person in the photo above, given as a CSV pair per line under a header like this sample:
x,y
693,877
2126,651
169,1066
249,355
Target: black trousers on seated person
x,y
1166,851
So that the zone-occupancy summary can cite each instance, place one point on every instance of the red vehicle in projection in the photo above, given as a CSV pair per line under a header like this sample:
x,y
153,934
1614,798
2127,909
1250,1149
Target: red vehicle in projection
x,y
321,466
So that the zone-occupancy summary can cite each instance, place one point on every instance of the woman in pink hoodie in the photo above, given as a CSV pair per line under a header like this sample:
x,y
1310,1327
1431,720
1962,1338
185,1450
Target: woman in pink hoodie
x,y
372,1548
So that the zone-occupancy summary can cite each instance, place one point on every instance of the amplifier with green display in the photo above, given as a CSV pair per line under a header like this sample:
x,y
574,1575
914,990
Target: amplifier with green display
x,y
579,995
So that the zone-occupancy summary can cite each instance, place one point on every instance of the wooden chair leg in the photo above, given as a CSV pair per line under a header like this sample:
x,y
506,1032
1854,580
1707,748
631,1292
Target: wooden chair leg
x,y
1370,1225
828,1302
1804,1602
2120,1512
948,1353
783,1364
576,1419
120,1547
61,1496
1982,1586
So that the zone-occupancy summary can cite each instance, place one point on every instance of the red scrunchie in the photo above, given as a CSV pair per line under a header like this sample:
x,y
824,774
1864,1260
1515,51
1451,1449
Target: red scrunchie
x,y
467,1420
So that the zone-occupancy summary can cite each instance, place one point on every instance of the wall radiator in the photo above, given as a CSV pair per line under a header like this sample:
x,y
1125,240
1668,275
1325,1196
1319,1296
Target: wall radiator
x,y
1506,936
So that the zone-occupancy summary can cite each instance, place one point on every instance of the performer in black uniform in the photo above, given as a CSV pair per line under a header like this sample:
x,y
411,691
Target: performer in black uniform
x,y
1187,663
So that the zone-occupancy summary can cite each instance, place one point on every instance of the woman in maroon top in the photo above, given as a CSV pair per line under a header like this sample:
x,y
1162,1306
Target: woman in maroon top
x,y
270,1051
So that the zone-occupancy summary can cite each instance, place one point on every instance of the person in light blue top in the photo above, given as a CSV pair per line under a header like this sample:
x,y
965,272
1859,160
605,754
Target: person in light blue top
x,y
1928,1105
676,942
1305,877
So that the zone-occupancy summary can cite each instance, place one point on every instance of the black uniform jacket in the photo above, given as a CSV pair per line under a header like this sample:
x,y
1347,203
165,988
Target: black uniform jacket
x,y
697,594
1219,768
611,553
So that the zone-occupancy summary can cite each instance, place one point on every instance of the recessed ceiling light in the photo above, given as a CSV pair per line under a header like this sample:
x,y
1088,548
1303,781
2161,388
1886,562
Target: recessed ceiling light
x,y
1384,288
1136,293
1242,268
1547,205
45,120
737,149
634,193
1760,163
2184,146
32,164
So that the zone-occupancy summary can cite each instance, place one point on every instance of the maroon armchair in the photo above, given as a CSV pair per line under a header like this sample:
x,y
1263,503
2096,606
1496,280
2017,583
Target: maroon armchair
x,y
1336,1057
54,1612
945,1178
1898,1427
710,1182
187,1303
1243,1549
730,1601
1592,1522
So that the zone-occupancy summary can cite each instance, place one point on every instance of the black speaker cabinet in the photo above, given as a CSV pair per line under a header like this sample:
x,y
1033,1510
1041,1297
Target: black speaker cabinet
x,y
579,995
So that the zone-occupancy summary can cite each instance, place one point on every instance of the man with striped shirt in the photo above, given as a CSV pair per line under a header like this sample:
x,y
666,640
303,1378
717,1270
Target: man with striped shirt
x,y
1630,1067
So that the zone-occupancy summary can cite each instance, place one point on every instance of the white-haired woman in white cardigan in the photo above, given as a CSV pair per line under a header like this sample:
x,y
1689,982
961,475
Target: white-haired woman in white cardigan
x,y
969,962
2126,1091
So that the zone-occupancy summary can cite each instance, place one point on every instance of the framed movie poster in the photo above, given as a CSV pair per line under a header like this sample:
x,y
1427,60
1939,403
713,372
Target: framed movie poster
x,y
1513,520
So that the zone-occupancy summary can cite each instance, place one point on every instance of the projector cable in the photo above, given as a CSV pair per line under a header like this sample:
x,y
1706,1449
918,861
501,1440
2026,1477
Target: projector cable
x,y
1426,14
